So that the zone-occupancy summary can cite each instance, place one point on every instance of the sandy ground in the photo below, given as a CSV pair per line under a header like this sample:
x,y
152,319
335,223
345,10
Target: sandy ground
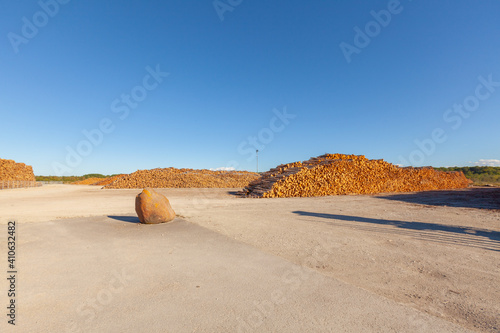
x,y
422,262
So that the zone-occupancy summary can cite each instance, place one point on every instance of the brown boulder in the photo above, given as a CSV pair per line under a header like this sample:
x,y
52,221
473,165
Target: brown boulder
x,y
153,207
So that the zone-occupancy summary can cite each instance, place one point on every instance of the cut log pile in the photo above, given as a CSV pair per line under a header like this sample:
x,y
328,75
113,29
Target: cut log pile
x,y
333,174
88,181
107,181
98,181
178,178
10,170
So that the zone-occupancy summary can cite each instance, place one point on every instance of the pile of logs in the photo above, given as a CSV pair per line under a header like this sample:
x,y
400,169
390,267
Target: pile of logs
x,y
181,178
98,181
10,170
109,180
333,174
88,181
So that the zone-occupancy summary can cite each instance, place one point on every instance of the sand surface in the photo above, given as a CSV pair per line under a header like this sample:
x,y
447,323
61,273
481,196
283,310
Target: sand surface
x,y
423,262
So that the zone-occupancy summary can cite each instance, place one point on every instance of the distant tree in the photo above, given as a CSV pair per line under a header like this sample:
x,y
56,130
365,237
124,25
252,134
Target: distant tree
x,y
478,174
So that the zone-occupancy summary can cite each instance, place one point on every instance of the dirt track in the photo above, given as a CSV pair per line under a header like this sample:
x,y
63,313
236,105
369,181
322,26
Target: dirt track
x,y
437,252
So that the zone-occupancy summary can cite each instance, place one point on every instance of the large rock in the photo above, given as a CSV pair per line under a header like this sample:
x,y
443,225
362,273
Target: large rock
x,y
153,207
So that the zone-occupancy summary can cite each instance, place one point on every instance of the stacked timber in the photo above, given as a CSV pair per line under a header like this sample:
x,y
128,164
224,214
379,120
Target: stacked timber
x,y
333,174
98,181
182,178
109,180
88,181
10,170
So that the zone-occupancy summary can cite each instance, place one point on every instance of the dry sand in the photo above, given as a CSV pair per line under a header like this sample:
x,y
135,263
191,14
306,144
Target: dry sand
x,y
423,262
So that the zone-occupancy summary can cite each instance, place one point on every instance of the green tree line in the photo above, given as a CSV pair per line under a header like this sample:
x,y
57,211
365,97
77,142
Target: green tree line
x,y
478,174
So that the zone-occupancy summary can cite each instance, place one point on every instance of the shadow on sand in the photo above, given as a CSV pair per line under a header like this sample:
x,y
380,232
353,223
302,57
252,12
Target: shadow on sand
x,y
130,219
482,238
475,197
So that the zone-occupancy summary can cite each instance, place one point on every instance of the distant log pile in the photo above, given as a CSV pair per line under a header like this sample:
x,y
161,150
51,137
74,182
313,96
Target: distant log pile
x,y
98,181
10,170
333,174
181,178
109,180
88,181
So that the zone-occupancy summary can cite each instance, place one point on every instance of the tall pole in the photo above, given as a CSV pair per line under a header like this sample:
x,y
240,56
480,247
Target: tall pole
x,y
257,154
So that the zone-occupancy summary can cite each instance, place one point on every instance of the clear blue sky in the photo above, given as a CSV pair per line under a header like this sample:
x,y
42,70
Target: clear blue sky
x,y
231,69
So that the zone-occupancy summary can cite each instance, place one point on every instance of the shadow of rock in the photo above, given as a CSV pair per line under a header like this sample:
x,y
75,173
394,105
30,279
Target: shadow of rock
x,y
130,219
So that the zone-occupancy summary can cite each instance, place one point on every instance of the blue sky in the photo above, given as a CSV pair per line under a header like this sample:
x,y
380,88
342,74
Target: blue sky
x,y
202,84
